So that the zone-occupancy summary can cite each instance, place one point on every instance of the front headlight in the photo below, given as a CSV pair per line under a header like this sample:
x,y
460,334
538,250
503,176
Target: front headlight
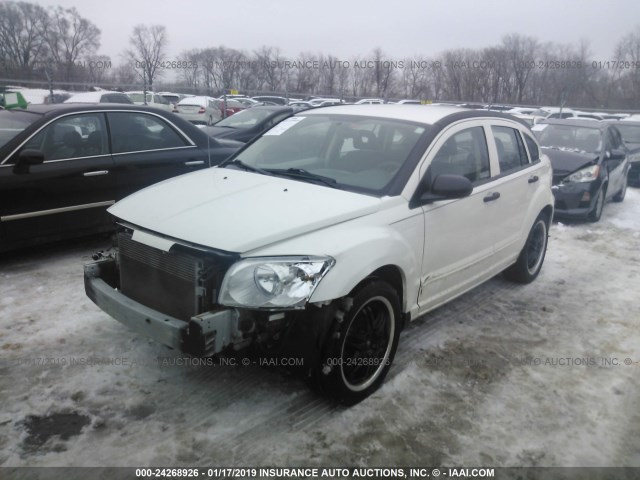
x,y
273,282
588,174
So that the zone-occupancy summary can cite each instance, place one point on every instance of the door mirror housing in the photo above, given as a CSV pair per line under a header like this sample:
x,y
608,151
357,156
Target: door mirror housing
x,y
26,158
616,154
443,187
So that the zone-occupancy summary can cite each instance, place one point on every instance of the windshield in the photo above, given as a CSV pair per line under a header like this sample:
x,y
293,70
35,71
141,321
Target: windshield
x,y
245,118
349,152
569,137
630,133
12,122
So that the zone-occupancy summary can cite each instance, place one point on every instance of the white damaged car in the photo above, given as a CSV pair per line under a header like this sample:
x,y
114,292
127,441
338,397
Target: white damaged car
x,y
323,237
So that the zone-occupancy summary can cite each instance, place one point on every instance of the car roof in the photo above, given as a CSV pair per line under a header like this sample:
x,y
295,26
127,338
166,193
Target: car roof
x,y
44,109
575,122
89,96
615,123
426,114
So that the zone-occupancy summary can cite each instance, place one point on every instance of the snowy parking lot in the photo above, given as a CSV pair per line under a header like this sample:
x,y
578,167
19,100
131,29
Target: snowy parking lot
x,y
546,374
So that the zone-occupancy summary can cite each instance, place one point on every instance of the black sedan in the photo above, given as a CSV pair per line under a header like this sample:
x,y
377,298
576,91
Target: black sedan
x,y
61,166
630,132
250,123
590,165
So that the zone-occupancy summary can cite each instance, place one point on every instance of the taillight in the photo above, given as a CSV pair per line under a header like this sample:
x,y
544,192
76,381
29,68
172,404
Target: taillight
x,y
202,110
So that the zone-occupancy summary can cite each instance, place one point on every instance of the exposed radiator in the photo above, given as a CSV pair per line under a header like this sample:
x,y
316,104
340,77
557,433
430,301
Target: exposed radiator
x,y
178,283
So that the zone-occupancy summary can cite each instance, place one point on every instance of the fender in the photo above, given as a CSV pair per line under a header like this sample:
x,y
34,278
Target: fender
x,y
360,248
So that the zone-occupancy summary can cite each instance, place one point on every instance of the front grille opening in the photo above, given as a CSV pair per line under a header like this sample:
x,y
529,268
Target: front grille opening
x,y
181,283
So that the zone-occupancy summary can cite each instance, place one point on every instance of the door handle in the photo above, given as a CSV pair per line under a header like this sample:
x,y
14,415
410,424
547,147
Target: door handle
x,y
533,179
95,173
194,162
491,197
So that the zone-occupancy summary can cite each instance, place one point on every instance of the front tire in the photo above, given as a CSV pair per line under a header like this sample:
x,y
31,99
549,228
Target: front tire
x,y
531,257
596,213
361,344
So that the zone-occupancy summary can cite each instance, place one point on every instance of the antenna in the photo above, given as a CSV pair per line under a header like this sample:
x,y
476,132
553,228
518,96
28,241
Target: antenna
x,y
208,141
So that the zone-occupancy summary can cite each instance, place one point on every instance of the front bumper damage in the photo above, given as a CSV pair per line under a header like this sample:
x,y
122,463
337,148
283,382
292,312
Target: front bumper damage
x,y
575,199
205,334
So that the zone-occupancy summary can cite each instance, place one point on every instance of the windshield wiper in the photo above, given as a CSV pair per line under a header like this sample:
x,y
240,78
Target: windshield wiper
x,y
302,174
239,163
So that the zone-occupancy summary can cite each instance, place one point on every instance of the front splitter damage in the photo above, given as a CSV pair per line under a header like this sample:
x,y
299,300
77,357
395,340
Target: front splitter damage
x,y
298,333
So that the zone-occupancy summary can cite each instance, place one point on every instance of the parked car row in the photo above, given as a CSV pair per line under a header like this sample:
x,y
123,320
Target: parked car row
x,y
237,255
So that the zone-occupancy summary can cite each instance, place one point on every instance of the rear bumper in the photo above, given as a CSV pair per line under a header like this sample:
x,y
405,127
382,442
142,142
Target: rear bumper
x,y
204,334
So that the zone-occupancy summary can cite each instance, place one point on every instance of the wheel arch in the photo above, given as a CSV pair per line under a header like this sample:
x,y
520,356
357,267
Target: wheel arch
x,y
391,274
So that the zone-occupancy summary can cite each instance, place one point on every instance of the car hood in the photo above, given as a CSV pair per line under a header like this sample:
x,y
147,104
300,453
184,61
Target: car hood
x,y
239,211
219,132
228,142
566,162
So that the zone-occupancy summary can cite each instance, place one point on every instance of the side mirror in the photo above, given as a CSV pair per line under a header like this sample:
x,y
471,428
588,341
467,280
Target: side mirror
x,y
451,186
26,158
443,187
616,154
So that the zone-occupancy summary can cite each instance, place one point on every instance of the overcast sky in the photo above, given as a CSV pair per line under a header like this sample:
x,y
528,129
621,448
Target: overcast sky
x,y
345,28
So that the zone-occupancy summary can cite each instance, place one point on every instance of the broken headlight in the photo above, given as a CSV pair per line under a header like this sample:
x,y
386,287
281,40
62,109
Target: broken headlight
x,y
273,282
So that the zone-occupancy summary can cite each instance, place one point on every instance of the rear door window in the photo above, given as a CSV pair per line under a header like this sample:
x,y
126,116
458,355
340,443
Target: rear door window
x,y
511,152
134,131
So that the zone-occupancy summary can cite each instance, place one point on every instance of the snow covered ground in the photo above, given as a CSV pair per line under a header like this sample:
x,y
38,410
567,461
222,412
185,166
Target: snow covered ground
x,y
546,374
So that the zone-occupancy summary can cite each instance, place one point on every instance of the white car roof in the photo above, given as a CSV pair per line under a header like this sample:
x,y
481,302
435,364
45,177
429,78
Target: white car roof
x,y
427,114
87,97
199,100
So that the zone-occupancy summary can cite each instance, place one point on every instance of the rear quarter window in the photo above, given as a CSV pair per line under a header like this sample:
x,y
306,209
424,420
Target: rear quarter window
x,y
532,146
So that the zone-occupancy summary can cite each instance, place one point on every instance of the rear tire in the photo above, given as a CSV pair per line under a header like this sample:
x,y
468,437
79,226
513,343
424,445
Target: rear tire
x,y
361,344
531,257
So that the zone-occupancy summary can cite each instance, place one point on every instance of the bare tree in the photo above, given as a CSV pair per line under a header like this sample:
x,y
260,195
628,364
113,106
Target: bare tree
x,y
148,51
69,38
191,74
521,52
22,36
628,51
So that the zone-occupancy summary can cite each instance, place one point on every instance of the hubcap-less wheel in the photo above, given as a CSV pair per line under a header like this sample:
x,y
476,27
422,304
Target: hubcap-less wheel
x,y
531,257
360,343
536,246
367,344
